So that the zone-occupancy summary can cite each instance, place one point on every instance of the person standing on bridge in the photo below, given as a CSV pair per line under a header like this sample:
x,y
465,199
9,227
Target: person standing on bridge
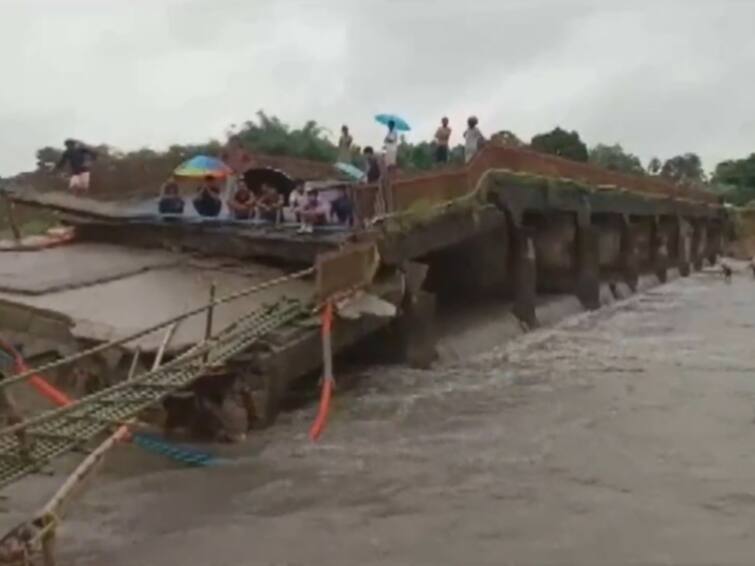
x,y
390,146
344,145
473,139
78,156
442,137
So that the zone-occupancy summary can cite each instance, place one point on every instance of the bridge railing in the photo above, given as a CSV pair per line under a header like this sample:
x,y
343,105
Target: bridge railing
x,y
450,183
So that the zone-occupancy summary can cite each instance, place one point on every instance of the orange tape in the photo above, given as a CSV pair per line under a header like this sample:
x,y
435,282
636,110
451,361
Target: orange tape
x,y
327,383
327,318
37,381
322,413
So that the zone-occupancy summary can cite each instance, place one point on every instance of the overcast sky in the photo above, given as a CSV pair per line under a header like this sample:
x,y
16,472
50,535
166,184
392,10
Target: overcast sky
x,y
659,77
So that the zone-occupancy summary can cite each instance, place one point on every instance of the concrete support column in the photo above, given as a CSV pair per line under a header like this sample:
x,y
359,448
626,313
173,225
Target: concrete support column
x,y
274,387
525,275
696,255
416,329
713,242
588,270
629,260
683,246
658,250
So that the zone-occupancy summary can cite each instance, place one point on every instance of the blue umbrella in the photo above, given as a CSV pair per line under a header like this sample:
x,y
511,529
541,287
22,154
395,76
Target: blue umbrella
x,y
350,170
401,124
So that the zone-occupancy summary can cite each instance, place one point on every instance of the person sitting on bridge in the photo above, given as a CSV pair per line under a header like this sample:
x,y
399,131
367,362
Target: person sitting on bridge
x,y
207,202
270,204
170,199
296,199
241,205
313,212
342,208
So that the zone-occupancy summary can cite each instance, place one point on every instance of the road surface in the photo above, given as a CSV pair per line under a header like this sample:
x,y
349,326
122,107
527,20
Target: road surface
x,y
624,436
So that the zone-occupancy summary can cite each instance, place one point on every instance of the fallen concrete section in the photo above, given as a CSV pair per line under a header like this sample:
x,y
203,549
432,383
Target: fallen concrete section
x,y
71,267
104,292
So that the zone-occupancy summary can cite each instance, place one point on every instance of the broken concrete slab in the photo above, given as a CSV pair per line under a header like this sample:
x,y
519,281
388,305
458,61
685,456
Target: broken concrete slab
x,y
70,267
103,293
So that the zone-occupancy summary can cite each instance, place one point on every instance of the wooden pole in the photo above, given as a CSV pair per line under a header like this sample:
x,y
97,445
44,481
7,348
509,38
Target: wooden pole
x,y
164,344
10,210
10,408
134,364
208,323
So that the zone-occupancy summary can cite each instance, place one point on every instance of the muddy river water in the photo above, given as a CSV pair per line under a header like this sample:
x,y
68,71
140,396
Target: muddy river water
x,y
624,436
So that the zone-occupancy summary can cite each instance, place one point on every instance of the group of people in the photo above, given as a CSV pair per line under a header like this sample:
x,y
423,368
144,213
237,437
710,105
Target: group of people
x,y
266,204
473,141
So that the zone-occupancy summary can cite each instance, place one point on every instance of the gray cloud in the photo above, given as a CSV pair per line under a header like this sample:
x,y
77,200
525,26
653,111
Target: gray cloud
x,y
660,77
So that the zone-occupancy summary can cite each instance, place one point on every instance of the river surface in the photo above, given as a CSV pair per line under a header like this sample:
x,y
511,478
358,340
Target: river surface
x,y
624,436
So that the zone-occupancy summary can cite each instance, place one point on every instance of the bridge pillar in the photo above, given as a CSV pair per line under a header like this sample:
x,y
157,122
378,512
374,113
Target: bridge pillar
x,y
588,270
683,246
658,250
525,274
416,331
713,241
696,254
629,260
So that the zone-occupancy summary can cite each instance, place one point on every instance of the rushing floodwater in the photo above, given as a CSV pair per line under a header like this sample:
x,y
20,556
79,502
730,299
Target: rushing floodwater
x,y
624,436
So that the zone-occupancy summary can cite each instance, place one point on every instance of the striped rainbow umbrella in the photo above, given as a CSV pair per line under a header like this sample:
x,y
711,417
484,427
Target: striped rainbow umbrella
x,y
202,166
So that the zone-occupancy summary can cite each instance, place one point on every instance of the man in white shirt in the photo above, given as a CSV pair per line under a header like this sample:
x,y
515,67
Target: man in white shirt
x,y
390,146
473,139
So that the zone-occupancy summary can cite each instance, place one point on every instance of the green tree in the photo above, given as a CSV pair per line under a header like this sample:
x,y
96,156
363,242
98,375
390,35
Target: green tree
x,y
735,178
614,158
684,169
508,138
415,157
562,143
654,166
47,157
269,135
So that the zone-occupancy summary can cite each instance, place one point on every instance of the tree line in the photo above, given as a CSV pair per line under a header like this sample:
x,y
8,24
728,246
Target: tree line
x,y
734,179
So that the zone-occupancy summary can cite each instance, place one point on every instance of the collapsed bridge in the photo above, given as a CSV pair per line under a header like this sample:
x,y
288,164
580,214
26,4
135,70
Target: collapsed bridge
x,y
510,226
